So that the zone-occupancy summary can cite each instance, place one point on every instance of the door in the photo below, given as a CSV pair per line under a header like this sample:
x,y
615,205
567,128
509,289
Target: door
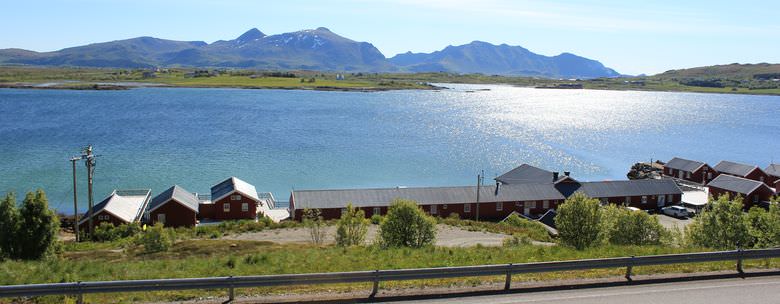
x,y
527,210
662,200
161,218
680,174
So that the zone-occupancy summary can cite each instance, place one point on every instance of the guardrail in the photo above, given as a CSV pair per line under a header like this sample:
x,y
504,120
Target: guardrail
x,y
230,283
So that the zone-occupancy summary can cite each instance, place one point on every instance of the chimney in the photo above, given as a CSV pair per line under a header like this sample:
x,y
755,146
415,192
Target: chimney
x,y
566,173
555,176
498,185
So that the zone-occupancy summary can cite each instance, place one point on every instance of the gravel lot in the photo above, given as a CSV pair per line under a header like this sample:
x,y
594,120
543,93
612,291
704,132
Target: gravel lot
x,y
447,236
670,222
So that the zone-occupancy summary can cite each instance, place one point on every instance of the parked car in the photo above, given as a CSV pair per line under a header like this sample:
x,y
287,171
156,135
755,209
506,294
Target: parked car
x,y
675,211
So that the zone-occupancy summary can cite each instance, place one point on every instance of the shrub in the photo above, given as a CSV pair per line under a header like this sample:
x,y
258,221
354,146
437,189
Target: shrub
x,y
38,227
352,227
376,219
156,239
107,232
579,221
312,220
636,228
530,229
406,225
721,225
764,226
9,226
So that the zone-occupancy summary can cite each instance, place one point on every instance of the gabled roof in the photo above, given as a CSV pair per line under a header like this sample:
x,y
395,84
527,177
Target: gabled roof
x,y
621,188
126,205
735,184
525,174
177,193
230,185
684,164
423,195
733,168
773,170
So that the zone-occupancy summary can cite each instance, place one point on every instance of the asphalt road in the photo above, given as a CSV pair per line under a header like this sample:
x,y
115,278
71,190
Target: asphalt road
x,y
731,291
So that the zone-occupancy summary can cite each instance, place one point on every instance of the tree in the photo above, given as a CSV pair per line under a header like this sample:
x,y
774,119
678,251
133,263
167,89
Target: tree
x,y
156,239
38,226
406,225
721,225
579,221
312,219
9,226
352,227
764,226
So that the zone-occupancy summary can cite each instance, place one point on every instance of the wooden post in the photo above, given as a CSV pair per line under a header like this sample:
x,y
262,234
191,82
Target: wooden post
x,y
508,283
739,263
75,201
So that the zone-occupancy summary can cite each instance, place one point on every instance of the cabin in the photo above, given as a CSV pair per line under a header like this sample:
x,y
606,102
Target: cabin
x,y
742,170
773,171
495,202
235,199
175,207
753,192
689,170
120,207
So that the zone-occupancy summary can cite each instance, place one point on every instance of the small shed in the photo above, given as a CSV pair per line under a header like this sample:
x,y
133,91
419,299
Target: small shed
x,y
175,207
120,207
690,170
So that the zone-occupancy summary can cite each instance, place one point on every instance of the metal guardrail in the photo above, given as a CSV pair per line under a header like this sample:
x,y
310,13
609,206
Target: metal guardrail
x,y
230,283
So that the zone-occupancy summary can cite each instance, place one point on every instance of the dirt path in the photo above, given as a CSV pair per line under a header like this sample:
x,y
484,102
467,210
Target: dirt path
x,y
446,236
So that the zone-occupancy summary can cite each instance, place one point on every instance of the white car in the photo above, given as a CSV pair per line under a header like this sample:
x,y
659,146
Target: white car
x,y
675,211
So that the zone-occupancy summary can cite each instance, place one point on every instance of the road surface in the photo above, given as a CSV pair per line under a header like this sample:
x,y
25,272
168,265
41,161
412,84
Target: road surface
x,y
731,291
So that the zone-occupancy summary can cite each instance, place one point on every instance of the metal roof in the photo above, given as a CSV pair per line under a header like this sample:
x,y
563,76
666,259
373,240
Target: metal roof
x,y
127,205
734,168
230,185
684,164
423,195
735,184
177,193
621,188
526,173
773,170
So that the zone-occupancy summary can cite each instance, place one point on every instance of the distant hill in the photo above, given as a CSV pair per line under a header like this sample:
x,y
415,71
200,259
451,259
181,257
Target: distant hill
x,y
729,71
318,49
486,58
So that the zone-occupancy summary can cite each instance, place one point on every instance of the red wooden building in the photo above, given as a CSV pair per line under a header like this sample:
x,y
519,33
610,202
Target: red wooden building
x,y
175,207
528,192
690,170
753,192
742,170
773,171
120,207
233,199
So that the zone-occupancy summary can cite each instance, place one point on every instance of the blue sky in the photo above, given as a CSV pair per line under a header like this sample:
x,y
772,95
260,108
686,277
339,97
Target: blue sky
x,y
631,36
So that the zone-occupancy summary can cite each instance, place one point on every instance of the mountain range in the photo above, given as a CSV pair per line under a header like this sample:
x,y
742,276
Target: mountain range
x,y
318,49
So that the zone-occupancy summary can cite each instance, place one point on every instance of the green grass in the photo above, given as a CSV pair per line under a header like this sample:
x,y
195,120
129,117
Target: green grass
x,y
202,258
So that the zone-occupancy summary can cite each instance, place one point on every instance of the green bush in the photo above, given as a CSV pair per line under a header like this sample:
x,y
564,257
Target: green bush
x,y
721,225
636,228
406,225
764,226
36,226
314,222
156,238
9,226
376,219
579,221
107,232
352,227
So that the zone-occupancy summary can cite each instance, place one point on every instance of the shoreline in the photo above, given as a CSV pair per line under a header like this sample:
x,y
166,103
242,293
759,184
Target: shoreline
x,y
120,87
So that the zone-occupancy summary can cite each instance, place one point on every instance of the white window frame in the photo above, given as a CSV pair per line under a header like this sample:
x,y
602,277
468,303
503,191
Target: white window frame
x,y
644,199
244,207
687,174
499,206
226,207
545,204
377,210
467,208
161,218
628,200
433,209
444,207
235,197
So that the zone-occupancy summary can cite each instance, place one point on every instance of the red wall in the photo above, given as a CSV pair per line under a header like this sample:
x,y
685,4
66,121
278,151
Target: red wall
x,y
216,211
176,215
696,177
95,222
763,193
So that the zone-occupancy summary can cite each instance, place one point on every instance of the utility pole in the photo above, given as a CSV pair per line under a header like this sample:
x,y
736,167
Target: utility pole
x,y
90,162
75,199
480,177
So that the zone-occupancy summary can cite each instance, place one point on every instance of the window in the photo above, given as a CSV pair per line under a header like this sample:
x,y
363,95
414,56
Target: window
x,y
343,211
235,197
377,210
604,201
226,207
467,208
628,200
644,199
433,209
499,206
687,174
755,199
545,204
762,179
161,218
245,207
532,205
670,198
444,206
709,175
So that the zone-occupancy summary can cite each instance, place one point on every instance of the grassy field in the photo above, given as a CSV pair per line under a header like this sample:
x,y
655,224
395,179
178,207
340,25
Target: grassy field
x,y
121,260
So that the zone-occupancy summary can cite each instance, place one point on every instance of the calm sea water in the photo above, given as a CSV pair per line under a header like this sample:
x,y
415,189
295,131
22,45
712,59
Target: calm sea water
x,y
282,140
